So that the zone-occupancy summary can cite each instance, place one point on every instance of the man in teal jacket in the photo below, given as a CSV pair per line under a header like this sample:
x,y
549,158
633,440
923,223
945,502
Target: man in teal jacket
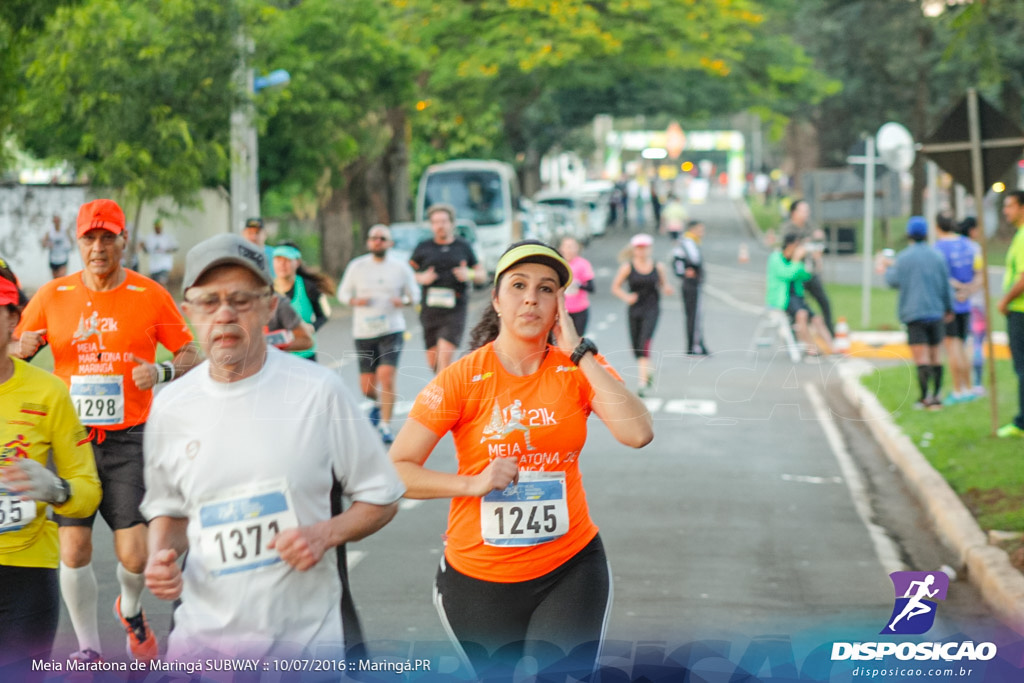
x,y
785,292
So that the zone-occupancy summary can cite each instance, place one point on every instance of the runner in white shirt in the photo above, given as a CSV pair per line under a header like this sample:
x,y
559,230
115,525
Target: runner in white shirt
x,y
241,460
161,247
377,287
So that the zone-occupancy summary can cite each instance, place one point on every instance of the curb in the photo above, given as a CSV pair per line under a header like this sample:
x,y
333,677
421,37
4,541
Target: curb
x,y
988,567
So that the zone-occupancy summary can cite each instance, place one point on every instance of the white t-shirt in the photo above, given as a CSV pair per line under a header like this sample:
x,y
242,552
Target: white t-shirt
x,y
240,461
379,281
60,246
161,252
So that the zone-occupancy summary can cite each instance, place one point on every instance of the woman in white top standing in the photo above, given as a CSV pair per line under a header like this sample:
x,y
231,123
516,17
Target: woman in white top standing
x,y
58,242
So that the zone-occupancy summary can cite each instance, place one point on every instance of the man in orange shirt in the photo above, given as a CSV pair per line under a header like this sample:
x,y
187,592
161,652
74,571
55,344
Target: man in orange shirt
x,y
103,324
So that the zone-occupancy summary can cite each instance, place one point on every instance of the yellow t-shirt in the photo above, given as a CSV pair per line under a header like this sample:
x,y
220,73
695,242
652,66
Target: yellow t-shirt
x,y
542,420
1015,269
37,417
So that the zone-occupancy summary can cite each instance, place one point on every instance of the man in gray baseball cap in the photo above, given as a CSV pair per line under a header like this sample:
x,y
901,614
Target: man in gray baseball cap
x,y
222,250
260,431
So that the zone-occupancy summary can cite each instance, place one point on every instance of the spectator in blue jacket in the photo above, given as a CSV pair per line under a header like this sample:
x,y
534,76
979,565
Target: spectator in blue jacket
x,y
925,306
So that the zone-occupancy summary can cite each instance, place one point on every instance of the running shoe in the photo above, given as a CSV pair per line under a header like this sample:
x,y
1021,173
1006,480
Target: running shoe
x,y
953,399
978,391
1009,430
86,656
375,415
385,433
141,641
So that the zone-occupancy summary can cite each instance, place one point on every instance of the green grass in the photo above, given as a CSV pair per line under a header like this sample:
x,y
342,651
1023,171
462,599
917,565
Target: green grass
x,y
846,302
987,473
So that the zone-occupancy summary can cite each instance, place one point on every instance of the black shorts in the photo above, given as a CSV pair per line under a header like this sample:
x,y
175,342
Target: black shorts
x,y
379,351
29,611
443,323
797,304
959,326
119,466
55,266
496,624
928,332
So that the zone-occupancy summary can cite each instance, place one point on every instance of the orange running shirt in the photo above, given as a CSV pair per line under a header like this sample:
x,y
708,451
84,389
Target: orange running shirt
x,y
542,420
93,336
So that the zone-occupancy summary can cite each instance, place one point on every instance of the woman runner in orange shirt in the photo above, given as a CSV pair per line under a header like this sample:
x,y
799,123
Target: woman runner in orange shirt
x,y
524,572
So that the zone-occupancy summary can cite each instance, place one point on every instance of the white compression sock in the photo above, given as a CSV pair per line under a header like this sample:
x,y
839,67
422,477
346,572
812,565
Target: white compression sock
x,y
131,591
80,592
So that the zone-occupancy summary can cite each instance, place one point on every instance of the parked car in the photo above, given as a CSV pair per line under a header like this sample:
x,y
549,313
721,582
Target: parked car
x,y
578,212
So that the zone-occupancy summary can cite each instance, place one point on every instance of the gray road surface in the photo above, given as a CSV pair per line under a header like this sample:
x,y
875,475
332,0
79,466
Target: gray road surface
x,y
761,513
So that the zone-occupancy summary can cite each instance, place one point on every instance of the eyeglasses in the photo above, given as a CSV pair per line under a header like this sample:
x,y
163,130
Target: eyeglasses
x,y
378,238
208,304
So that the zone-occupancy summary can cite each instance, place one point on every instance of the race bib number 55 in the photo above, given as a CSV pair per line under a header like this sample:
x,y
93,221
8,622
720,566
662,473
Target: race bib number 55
x,y
15,512
531,512
236,527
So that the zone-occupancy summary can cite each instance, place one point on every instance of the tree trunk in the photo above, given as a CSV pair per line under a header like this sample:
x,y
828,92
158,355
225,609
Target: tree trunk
x,y
530,172
396,166
335,231
803,153
919,117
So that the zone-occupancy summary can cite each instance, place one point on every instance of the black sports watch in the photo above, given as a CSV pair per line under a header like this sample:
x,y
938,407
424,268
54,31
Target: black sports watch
x,y
585,346
63,492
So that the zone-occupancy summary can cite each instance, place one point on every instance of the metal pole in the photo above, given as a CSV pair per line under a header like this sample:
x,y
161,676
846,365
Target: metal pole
x,y
869,231
245,202
932,202
974,125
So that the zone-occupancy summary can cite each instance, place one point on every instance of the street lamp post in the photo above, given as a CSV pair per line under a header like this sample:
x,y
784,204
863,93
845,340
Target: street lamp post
x,y
245,191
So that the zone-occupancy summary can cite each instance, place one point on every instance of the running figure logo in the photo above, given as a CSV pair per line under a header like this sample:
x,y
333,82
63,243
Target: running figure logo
x,y
504,422
914,610
88,327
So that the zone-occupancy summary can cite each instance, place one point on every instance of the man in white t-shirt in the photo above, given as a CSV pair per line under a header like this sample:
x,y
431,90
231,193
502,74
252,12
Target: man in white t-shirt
x,y
241,460
377,287
161,247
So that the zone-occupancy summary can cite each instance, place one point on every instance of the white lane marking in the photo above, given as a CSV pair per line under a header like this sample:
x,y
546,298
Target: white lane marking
x,y
692,407
409,504
809,479
401,407
354,557
722,295
885,549
653,404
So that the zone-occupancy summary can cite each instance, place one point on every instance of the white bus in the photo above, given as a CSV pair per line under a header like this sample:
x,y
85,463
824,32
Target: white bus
x,y
485,192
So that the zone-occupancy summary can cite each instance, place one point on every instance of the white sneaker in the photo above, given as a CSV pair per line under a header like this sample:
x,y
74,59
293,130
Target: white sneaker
x,y
385,432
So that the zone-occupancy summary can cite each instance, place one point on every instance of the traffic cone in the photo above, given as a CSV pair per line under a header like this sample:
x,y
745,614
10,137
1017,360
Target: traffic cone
x,y
841,344
744,254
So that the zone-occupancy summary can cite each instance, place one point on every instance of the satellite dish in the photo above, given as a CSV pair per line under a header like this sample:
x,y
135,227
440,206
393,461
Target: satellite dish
x,y
895,146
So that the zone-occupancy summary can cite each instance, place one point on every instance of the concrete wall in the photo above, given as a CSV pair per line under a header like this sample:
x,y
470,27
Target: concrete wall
x,y
26,212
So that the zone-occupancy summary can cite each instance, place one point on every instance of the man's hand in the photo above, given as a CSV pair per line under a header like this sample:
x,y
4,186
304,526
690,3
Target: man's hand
x,y
28,478
427,277
461,273
163,575
303,547
30,343
145,374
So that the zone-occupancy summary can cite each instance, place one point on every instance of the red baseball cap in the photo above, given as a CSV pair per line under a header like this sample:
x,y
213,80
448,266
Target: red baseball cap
x,y
8,292
101,213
